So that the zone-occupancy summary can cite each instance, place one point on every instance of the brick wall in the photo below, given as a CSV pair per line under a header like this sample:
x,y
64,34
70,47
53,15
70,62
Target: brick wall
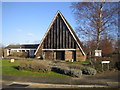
x,y
40,52
68,55
80,56
49,55
54,55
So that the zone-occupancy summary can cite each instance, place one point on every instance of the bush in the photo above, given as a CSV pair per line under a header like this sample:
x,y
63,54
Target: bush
x,y
75,72
24,66
88,71
67,71
24,54
112,65
20,54
34,66
75,66
38,66
60,69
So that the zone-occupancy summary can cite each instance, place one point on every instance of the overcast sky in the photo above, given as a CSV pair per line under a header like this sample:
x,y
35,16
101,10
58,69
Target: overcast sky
x,y
27,22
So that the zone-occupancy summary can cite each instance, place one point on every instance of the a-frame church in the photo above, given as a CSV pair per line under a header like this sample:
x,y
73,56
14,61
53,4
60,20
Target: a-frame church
x,y
60,42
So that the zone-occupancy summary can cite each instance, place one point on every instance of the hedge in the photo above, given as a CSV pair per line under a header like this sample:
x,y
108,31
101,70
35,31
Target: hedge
x,y
67,71
85,69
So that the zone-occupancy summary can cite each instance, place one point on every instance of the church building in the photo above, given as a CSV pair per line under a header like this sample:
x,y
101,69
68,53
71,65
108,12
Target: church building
x,y
60,42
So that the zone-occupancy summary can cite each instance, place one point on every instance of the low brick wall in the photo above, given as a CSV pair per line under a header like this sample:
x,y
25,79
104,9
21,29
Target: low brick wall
x,y
51,55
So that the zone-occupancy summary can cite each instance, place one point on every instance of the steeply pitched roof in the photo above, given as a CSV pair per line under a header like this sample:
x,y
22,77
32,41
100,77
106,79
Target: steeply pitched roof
x,y
70,29
73,32
27,46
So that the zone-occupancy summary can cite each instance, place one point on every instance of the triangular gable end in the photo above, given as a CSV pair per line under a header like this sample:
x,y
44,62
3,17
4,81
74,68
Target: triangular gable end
x,y
69,28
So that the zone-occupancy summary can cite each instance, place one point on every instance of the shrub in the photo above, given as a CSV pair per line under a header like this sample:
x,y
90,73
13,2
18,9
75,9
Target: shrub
x,y
67,71
84,69
60,69
39,66
20,54
24,54
23,66
75,72
112,65
88,70
34,66
75,66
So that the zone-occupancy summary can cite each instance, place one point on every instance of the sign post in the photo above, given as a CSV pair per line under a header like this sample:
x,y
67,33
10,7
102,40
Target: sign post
x,y
105,62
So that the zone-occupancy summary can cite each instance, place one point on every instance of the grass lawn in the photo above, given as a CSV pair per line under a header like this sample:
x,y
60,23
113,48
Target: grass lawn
x,y
9,69
76,62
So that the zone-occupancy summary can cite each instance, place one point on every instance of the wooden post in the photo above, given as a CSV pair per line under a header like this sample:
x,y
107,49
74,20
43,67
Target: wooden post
x,y
102,66
108,66
43,55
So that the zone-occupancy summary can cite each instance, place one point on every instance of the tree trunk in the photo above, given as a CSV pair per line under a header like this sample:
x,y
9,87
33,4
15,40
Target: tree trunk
x,y
99,26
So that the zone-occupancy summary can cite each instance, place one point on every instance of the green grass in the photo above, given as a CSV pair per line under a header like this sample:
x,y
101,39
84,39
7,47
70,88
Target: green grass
x,y
9,69
76,62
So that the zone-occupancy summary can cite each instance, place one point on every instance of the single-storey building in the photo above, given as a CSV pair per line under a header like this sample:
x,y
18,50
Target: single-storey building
x,y
60,42
29,48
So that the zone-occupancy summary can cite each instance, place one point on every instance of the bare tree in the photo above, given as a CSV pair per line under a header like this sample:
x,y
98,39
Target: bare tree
x,y
1,50
106,45
94,18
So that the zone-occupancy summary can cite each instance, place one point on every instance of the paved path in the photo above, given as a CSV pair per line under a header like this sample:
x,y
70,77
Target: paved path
x,y
109,79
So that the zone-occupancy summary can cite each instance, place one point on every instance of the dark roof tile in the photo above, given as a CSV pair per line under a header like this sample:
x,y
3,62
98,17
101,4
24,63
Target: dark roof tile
x,y
31,46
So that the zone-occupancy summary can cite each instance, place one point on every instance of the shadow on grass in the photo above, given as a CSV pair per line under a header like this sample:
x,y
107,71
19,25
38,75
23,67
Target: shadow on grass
x,y
16,67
